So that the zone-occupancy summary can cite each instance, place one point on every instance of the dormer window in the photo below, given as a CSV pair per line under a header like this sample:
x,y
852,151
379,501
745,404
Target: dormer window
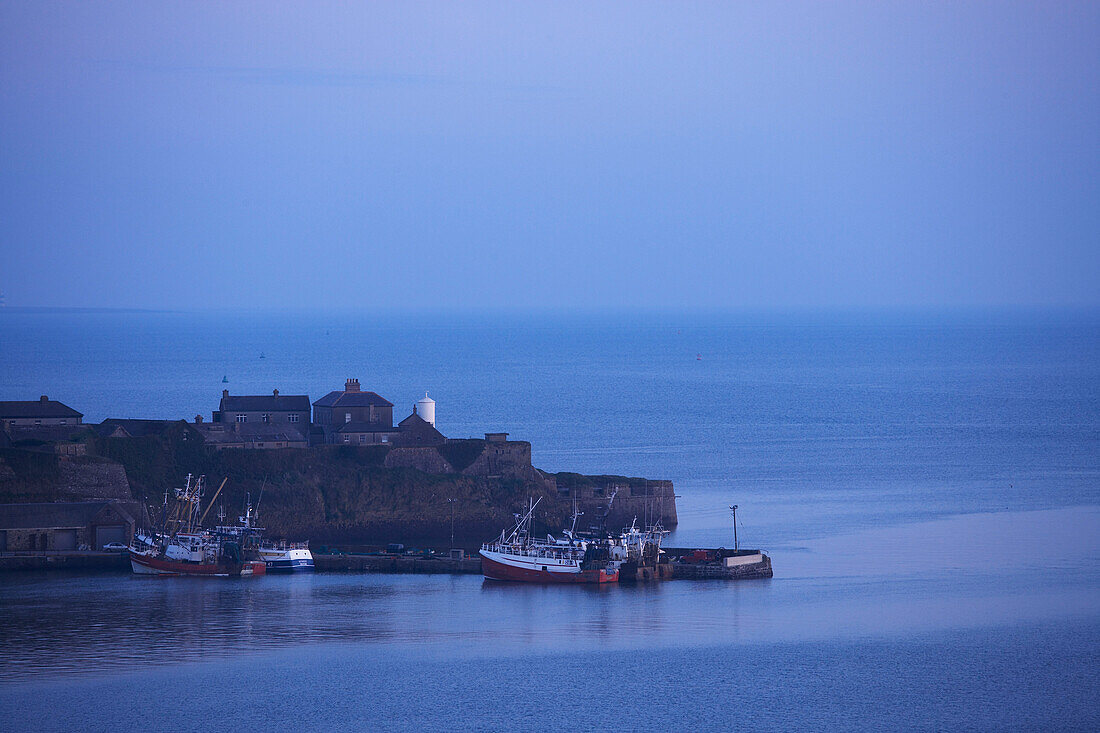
x,y
347,417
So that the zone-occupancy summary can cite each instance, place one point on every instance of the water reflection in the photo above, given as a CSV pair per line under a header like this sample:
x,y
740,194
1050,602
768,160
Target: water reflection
x,y
893,581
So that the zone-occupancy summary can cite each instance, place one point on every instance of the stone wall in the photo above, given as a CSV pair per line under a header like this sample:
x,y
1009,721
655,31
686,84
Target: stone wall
x,y
88,479
426,459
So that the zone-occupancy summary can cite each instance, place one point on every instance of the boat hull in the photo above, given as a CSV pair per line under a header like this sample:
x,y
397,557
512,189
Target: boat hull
x,y
146,565
294,560
295,565
518,569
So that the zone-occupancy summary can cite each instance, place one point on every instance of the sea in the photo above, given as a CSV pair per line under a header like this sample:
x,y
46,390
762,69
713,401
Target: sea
x,y
927,484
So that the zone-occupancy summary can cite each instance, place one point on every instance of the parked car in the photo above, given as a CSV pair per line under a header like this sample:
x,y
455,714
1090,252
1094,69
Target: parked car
x,y
114,547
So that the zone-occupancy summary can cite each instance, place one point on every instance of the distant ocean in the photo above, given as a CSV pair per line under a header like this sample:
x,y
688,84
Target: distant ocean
x,y
927,483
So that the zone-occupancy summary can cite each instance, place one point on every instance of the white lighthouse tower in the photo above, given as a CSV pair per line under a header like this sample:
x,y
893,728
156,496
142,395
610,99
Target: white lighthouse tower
x,y
426,409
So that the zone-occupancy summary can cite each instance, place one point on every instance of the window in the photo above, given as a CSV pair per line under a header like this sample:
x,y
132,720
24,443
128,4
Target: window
x,y
385,438
242,418
292,417
362,437
266,417
37,422
347,438
347,417
63,421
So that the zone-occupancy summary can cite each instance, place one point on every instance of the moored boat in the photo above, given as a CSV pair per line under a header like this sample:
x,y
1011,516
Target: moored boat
x,y
183,548
286,557
516,556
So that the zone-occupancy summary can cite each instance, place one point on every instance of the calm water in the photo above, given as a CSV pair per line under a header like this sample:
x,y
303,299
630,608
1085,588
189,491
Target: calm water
x,y
928,486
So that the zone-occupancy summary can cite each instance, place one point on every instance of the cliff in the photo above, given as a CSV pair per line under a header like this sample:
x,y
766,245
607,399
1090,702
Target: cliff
x,y
340,494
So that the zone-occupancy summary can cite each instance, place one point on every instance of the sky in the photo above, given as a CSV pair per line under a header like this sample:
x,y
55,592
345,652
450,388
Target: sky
x,y
564,155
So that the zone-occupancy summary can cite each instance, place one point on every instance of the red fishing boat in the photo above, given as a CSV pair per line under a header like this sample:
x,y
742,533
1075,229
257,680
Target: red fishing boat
x,y
516,556
183,548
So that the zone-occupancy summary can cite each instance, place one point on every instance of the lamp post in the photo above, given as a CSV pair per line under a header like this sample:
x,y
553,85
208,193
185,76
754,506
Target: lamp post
x,y
452,501
733,510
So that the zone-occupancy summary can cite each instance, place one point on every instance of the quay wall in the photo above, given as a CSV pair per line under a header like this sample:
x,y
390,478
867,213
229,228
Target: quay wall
x,y
82,561
714,571
396,564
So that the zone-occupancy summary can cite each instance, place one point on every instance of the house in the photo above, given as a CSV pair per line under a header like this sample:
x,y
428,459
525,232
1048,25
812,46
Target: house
x,y
353,416
43,411
286,411
258,422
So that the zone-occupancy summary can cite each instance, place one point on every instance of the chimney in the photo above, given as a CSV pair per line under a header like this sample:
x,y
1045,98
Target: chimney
x,y
275,392
352,385
43,398
225,393
198,419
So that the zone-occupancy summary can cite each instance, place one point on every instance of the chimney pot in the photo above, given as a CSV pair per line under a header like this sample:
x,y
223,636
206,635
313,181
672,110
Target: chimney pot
x,y
198,419
44,398
352,385
275,392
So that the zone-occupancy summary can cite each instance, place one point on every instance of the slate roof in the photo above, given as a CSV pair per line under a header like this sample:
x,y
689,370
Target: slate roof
x,y
352,399
23,409
265,403
413,420
365,427
66,515
135,428
415,430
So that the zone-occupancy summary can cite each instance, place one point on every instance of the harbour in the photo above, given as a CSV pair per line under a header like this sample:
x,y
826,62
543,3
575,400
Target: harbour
x,y
887,550
373,562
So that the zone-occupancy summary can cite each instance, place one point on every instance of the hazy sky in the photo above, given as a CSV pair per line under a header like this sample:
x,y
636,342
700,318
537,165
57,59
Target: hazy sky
x,y
590,155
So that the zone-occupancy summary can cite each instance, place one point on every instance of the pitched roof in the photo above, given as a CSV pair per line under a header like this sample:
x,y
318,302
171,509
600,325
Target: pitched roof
x,y
133,427
57,514
36,408
352,399
265,403
415,430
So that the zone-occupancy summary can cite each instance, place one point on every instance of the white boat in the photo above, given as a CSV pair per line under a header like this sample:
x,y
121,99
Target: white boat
x,y
283,557
516,556
286,557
